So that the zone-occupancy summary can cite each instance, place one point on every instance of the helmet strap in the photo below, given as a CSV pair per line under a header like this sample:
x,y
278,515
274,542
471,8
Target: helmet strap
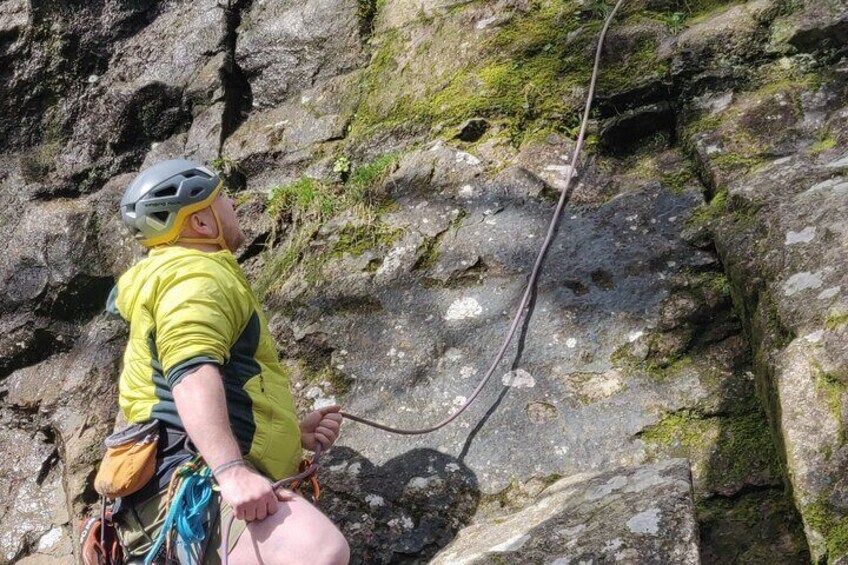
x,y
219,240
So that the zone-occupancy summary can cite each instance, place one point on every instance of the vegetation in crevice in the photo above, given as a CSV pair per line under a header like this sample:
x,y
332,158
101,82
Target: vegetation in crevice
x,y
307,204
831,524
731,528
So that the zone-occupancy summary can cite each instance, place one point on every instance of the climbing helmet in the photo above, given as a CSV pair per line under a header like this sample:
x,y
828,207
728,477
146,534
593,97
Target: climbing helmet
x,y
161,197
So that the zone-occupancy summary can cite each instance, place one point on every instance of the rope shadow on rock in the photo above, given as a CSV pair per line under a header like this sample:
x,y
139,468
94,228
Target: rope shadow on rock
x,y
403,511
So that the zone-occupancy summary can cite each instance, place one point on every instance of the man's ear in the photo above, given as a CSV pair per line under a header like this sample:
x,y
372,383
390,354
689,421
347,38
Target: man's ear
x,y
199,223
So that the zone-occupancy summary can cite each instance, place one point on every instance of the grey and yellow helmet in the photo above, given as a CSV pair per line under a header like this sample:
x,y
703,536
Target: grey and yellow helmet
x,y
161,197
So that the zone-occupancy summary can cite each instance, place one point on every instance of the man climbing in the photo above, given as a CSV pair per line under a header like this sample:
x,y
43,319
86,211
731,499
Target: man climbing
x,y
201,361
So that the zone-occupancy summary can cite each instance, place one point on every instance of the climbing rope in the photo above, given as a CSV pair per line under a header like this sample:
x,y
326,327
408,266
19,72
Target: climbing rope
x,y
519,315
308,472
186,509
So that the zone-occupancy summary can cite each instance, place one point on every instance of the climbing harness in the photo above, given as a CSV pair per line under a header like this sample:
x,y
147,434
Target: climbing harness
x,y
99,543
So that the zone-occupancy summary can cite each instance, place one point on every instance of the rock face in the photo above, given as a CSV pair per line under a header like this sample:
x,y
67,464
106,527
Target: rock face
x,y
781,235
640,515
396,164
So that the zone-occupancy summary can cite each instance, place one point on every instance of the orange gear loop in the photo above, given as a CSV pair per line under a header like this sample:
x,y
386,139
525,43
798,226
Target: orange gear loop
x,y
313,479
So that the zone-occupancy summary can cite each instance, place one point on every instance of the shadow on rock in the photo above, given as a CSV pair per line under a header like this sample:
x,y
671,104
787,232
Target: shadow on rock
x,y
403,511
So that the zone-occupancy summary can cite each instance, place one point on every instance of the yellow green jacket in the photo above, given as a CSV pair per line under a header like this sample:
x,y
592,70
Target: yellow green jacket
x,y
186,308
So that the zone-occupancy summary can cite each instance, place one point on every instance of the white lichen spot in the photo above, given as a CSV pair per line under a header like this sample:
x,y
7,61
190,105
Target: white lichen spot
x,y
647,522
374,500
563,170
840,163
512,544
418,483
49,539
829,293
354,468
468,158
324,402
633,336
485,22
571,343
815,336
573,531
806,235
459,400
466,191
519,378
452,467
463,309
802,281
612,545
467,372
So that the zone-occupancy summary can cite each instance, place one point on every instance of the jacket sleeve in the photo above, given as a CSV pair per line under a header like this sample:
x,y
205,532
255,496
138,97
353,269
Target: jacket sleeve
x,y
198,318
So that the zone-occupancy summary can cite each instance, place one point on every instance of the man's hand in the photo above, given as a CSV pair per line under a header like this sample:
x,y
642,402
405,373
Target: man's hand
x,y
249,494
321,426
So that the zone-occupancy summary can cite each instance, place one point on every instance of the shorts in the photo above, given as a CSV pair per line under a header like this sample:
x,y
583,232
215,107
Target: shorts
x,y
140,525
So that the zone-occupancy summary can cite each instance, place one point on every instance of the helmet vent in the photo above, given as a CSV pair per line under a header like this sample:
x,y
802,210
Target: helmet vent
x,y
196,191
161,216
167,191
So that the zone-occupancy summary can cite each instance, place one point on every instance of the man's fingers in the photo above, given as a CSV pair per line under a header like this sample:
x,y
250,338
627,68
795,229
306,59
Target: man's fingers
x,y
261,511
330,409
249,514
334,417
326,432
330,424
284,495
323,440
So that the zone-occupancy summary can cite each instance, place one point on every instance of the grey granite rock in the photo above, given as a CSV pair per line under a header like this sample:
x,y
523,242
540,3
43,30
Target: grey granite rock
x,y
634,515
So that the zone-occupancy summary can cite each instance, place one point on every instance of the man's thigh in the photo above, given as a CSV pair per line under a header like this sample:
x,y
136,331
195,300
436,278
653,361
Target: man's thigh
x,y
297,533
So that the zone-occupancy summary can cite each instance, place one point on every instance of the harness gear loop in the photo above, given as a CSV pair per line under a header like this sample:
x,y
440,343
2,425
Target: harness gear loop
x,y
297,485
99,543
187,505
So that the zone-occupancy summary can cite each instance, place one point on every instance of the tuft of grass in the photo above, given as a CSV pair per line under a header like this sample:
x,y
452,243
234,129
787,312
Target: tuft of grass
x,y
308,203
364,177
304,198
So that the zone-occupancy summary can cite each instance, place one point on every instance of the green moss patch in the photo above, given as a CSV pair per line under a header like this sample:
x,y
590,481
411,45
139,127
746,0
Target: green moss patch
x,y
306,204
528,75
831,524
835,320
726,450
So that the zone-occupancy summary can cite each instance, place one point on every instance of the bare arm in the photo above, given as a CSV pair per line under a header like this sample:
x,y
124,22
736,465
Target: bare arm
x,y
202,407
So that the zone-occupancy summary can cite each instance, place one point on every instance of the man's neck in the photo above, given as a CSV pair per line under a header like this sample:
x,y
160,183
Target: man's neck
x,y
206,247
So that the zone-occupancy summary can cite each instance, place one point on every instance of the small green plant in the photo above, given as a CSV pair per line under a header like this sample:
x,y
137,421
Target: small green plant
x,y
363,178
599,10
341,165
224,165
304,198
676,22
